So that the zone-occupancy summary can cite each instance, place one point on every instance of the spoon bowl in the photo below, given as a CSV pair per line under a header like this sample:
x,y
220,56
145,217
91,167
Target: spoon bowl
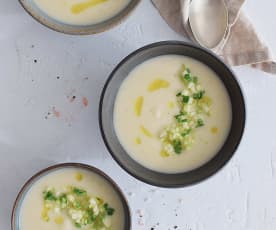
x,y
208,20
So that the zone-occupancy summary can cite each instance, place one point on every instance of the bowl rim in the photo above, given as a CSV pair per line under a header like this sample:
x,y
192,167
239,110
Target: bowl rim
x,y
156,183
122,15
89,168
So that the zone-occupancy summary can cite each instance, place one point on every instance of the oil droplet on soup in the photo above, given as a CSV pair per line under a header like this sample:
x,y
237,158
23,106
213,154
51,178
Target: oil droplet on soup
x,y
79,176
139,106
171,104
158,84
138,141
145,131
59,220
214,130
82,6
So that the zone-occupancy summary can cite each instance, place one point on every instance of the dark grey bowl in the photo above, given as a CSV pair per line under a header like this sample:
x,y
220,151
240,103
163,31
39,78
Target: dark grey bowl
x,y
28,185
107,106
53,24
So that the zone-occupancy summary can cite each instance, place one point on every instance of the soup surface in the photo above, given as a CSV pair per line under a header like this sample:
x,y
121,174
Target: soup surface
x,y
81,12
71,199
172,114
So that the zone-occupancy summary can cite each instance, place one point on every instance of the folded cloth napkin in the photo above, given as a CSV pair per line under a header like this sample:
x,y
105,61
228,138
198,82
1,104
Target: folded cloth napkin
x,y
242,46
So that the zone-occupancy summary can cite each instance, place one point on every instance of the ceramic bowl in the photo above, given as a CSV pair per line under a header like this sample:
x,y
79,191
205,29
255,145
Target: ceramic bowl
x,y
107,106
58,26
15,223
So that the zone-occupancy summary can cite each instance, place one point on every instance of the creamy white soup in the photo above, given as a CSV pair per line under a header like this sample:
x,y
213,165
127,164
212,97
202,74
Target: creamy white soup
x,y
71,199
81,12
172,114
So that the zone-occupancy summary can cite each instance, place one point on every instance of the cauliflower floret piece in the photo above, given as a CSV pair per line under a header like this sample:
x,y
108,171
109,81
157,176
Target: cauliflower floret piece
x,y
92,203
57,210
192,87
76,215
168,148
191,100
185,92
71,198
198,88
107,221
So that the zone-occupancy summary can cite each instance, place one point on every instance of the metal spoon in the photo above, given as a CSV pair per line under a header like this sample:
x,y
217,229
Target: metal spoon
x,y
206,21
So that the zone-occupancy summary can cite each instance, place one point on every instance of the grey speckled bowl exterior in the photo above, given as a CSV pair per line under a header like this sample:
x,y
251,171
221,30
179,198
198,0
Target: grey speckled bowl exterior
x,y
58,26
28,185
107,106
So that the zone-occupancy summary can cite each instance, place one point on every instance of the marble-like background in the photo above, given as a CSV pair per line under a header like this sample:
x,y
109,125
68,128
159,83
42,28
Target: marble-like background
x,y
40,70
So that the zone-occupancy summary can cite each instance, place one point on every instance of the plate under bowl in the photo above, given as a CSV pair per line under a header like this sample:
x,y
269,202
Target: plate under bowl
x,y
109,94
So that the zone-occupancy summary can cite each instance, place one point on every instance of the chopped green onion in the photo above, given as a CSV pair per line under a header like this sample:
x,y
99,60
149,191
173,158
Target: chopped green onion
x,y
188,77
200,123
109,210
48,195
177,146
185,99
181,117
79,192
85,212
194,107
199,95
187,132
78,225
195,79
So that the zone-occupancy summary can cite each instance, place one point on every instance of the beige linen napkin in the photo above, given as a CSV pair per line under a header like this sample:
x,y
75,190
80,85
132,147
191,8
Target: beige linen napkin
x,y
243,45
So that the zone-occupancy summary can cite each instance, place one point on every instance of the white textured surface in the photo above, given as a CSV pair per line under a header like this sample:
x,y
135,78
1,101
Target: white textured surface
x,y
240,197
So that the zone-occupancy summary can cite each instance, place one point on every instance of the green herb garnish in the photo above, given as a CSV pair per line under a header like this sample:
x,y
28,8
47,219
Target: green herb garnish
x,y
177,146
194,107
79,192
78,225
48,195
85,211
200,123
199,95
185,99
109,210
188,77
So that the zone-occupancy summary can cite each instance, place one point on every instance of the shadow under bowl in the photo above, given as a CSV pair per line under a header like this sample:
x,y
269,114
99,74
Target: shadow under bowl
x,y
118,152
65,28
15,219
